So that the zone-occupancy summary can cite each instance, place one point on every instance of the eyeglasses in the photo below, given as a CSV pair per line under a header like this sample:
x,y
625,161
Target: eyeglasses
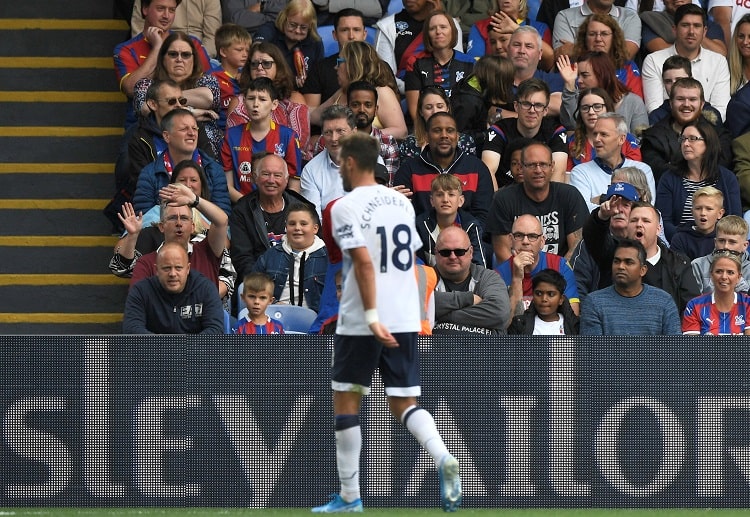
x,y
174,100
691,138
340,61
184,55
458,252
266,64
725,251
538,106
601,34
596,107
519,236
297,27
538,165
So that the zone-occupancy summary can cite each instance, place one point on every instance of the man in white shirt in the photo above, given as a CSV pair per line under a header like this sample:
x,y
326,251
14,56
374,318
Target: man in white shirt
x,y
709,67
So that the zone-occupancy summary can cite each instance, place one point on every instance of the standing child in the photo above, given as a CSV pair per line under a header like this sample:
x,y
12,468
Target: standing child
x,y
257,293
550,313
233,47
698,240
297,267
261,134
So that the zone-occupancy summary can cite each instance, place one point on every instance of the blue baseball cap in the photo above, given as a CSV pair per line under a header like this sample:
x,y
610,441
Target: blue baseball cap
x,y
624,190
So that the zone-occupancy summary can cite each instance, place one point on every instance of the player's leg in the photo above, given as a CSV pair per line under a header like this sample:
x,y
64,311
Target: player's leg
x,y
399,368
355,358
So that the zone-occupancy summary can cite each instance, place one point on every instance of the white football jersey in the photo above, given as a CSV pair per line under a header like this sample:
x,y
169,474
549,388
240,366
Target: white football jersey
x,y
382,220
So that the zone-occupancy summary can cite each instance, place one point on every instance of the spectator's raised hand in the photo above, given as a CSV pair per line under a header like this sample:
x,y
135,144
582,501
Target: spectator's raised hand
x,y
177,194
502,23
568,71
132,222
204,115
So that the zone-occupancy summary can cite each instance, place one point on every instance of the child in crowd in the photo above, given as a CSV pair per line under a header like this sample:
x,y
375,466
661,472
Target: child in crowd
x,y
515,149
233,47
698,240
298,266
550,313
446,198
258,135
257,294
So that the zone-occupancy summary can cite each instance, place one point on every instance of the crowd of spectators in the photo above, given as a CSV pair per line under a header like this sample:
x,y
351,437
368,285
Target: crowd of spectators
x,y
573,167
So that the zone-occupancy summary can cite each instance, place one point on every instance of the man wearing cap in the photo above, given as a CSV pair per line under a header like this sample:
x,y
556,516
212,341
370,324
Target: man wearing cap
x,y
527,260
585,268
468,297
629,306
593,178
666,269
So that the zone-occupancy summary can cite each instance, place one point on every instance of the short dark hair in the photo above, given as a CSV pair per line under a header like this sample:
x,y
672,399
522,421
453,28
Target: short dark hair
x,y
530,87
687,9
687,82
549,276
349,11
677,62
155,87
307,208
363,148
190,164
361,86
632,243
263,84
436,116
146,3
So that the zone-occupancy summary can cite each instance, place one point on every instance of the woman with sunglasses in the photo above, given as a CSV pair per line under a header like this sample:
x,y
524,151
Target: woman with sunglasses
x,y
295,33
724,312
358,61
266,60
596,70
591,103
440,64
698,168
177,61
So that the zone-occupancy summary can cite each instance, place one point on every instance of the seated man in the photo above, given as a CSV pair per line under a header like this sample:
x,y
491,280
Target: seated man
x,y
731,234
442,156
629,306
527,260
175,300
468,297
592,178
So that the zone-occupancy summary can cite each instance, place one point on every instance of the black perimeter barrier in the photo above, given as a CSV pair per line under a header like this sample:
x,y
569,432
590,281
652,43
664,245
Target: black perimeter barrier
x,y
247,421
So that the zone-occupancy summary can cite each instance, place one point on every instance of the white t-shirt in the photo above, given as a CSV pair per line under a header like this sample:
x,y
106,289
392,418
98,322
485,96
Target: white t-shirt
x,y
549,328
739,9
382,220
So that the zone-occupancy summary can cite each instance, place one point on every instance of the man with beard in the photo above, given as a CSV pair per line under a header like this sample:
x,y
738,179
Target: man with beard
x,y
629,306
442,156
362,98
666,269
659,145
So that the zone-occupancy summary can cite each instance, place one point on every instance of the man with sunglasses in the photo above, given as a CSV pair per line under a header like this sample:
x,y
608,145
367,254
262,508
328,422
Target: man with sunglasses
x,y
527,260
532,103
468,297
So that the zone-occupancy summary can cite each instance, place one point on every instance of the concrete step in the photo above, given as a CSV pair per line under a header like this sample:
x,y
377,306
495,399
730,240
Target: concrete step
x,y
83,9
85,79
68,260
54,223
105,114
96,300
58,186
41,43
60,149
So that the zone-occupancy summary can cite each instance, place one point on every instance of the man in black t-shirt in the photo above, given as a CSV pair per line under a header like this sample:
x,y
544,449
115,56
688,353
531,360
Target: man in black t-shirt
x,y
559,207
531,106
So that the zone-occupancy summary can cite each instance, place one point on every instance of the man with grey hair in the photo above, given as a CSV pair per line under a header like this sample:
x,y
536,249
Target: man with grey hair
x,y
525,52
592,178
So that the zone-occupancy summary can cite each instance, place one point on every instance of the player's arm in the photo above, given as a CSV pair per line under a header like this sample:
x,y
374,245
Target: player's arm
x,y
364,274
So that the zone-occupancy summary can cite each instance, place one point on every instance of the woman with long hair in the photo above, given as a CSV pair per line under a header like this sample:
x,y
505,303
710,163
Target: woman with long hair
x,y
295,31
358,61
591,103
266,60
725,311
432,99
602,33
592,70
441,64
485,96
177,60
739,55
698,168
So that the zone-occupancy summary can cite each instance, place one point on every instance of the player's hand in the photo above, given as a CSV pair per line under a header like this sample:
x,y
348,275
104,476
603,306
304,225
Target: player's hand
x,y
383,335
131,221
